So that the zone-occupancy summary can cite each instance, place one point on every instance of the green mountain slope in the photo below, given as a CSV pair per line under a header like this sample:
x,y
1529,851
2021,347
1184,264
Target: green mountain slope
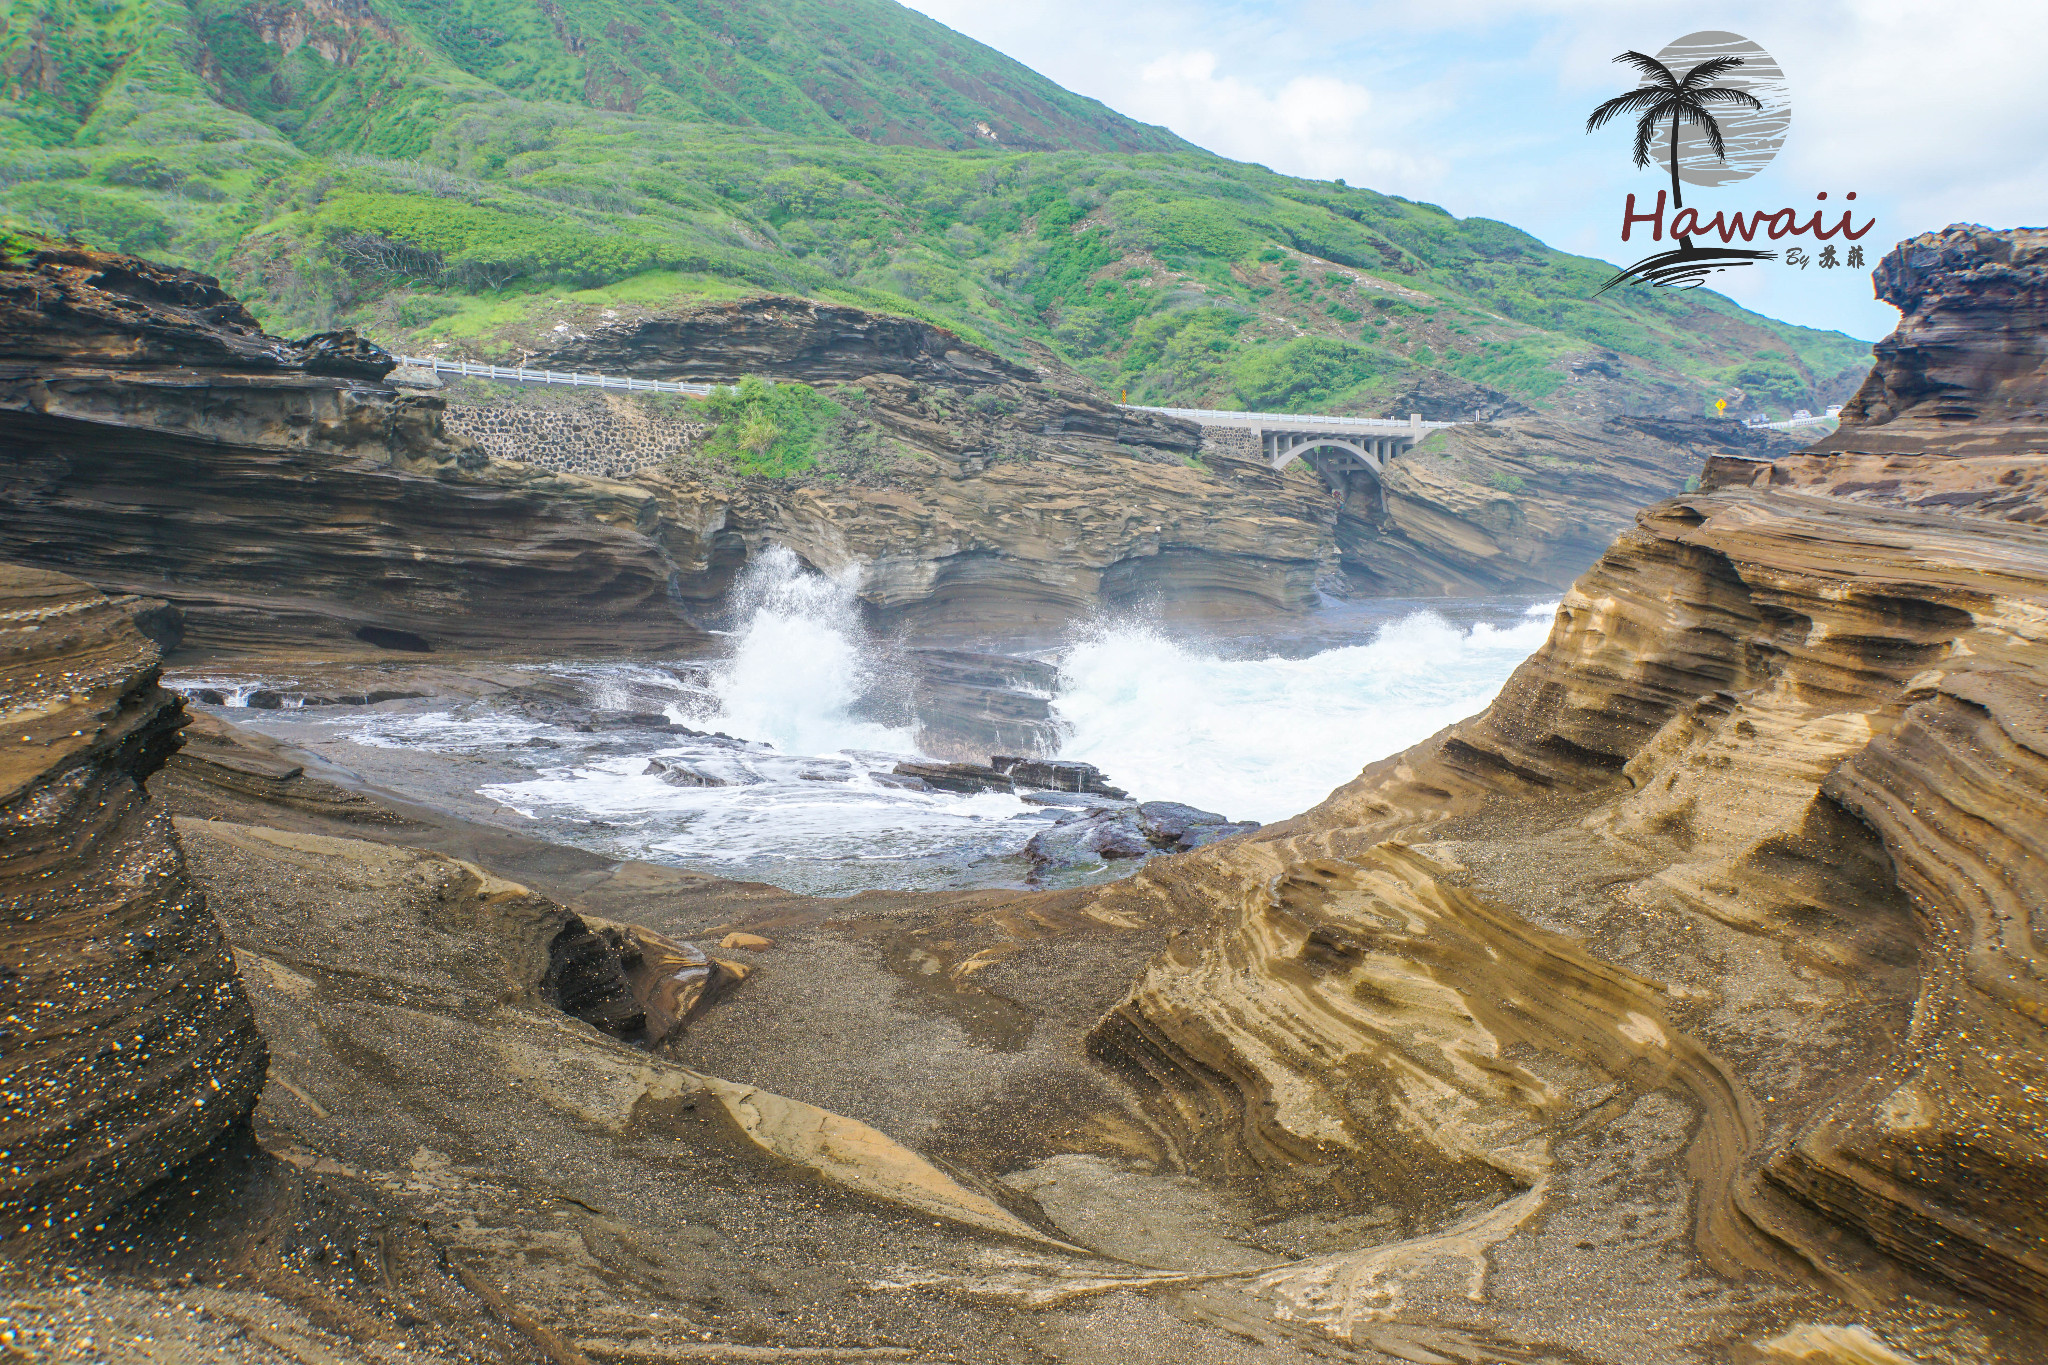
x,y
491,174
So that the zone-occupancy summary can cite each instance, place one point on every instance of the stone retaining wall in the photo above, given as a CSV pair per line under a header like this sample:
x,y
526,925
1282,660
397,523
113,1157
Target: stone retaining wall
x,y
1239,442
610,437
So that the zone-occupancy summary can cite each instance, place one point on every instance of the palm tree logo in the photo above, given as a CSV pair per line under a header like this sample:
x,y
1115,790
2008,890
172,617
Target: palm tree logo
x,y
1667,99
1682,101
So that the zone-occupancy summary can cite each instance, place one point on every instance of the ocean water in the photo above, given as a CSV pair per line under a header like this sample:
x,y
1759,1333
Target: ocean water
x,y
1251,727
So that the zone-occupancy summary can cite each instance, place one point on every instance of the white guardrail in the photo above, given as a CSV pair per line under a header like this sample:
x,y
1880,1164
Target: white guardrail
x,y
522,375
1302,420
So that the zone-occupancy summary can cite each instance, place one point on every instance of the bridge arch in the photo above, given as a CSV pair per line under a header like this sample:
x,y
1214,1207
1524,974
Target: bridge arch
x,y
1361,454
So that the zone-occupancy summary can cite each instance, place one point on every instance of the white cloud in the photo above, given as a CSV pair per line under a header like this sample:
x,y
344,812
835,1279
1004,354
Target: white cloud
x,y
1317,126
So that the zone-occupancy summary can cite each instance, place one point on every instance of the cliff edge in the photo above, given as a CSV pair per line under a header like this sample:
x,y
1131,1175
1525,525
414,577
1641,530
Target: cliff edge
x,y
1738,883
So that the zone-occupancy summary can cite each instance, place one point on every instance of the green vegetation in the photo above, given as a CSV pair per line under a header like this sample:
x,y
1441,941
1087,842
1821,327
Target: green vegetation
x,y
482,172
761,427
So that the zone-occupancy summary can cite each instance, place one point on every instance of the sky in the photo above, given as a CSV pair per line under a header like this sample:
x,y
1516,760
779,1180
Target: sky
x,y
1932,113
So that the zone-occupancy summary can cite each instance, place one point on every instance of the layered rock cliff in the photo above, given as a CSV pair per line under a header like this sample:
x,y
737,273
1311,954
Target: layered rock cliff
x,y
290,502
128,1045
1523,505
153,439
785,337
1739,881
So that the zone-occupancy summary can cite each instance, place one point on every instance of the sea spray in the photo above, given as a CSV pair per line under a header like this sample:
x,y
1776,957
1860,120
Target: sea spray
x,y
1264,739
801,669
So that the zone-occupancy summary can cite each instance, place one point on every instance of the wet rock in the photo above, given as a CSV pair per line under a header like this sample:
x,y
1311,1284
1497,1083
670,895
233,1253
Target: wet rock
x,y
973,703
900,782
1086,839
1166,821
1068,800
1053,774
681,774
1169,824
967,778
1201,836
634,720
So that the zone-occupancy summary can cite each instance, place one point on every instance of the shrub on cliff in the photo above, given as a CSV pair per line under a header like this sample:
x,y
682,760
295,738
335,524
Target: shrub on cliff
x,y
770,430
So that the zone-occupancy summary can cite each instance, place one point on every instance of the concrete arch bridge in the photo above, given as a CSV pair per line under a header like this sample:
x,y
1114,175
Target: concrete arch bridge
x,y
1340,449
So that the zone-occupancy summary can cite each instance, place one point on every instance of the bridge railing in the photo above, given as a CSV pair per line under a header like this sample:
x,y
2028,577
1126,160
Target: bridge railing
x,y
1302,420
522,375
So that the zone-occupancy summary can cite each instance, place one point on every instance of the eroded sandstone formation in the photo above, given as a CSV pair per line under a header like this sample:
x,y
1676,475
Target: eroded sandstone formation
x,y
289,502
1967,370
128,1043
1762,828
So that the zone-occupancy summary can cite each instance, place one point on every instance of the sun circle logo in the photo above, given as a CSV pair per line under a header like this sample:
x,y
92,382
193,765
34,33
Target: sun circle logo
x,y
1750,135
1709,110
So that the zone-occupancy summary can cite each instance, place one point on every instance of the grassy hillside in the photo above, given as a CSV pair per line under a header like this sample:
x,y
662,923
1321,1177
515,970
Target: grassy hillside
x,y
492,173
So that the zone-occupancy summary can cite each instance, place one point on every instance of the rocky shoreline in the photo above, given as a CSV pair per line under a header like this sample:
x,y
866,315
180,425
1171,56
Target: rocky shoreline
x,y
1682,1005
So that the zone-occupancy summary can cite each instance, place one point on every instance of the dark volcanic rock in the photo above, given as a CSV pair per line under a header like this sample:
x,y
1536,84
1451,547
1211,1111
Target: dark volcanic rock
x,y
974,703
1085,840
956,777
786,338
1966,372
1201,836
125,1027
1053,774
1166,821
1011,773
682,775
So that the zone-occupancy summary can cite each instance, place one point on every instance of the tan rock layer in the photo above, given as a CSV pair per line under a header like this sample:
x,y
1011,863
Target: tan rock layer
x,y
129,1046
1771,803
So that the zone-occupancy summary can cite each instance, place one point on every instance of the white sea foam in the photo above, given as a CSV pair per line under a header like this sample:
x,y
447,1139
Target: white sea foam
x,y
1251,738
1263,739
800,666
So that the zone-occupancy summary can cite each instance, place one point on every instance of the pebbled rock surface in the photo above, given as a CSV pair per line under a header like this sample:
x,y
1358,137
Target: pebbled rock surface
x,y
128,1045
